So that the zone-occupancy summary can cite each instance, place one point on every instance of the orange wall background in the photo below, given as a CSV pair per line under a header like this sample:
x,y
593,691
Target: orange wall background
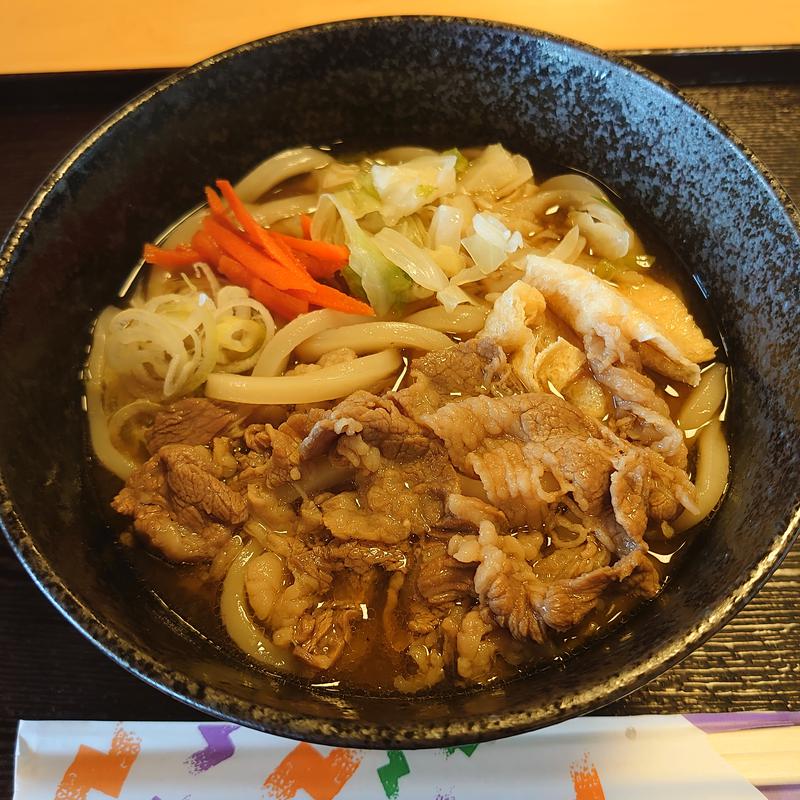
x,y
62,35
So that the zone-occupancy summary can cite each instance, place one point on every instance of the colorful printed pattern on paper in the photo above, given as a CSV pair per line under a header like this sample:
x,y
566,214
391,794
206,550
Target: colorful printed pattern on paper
x,y
106,772
585,759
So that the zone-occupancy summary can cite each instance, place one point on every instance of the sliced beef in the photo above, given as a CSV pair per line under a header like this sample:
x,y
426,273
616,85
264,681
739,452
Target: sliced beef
x,y
644,487
309,580
532,450
641,425
475,367
528,449
642,416
521,601
379,421
273,454
309,597
193,480
360,557
570,562
393,499
179,504
402,474
440,579
567,602
192,420
321,635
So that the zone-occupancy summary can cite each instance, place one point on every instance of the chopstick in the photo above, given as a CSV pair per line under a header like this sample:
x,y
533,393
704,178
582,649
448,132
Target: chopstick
x,y
764,756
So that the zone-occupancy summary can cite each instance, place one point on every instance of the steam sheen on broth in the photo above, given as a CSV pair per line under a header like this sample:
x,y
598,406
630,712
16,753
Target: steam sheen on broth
x,y
407,420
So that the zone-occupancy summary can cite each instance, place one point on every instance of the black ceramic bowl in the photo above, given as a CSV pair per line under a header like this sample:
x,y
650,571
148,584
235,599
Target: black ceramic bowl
x,y
374,83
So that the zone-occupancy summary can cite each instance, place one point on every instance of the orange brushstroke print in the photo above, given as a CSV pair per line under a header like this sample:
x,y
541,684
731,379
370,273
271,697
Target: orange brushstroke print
x,y
106,772
322,777
586,781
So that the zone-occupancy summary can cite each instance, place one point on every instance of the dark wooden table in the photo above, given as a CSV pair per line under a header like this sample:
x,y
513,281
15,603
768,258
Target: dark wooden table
x,y
49,671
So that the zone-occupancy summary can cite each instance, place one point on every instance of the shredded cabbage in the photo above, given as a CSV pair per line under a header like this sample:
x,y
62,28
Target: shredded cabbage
x,y
496,172
406,188
450,262
445,229
606,240
415,261
492,242
452,296
383,284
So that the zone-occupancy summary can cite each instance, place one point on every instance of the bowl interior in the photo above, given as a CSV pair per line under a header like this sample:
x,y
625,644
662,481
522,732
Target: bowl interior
x,y
372,84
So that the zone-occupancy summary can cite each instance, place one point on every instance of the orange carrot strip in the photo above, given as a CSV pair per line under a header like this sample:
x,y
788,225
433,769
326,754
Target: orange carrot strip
x,y
170,259
281,303
316,268
275,300
214,203
264,239
325,251
243,216
305,224
257,263
328,297
235,272
208,249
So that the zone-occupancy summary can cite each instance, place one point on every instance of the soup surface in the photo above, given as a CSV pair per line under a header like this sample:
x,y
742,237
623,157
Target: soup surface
x,y
408,420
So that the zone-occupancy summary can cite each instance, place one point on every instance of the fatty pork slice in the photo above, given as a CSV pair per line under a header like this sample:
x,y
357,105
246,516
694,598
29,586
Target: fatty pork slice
x,y
642,416
519,324
675,345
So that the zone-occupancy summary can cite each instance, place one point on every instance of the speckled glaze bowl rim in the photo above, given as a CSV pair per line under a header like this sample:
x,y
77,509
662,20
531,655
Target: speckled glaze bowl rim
x,y
355,732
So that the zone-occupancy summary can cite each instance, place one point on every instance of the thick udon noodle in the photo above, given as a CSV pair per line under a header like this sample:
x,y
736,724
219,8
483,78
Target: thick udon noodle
x,y
185,334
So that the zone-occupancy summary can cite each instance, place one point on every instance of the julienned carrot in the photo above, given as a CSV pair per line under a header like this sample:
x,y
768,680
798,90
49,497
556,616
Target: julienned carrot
x,y
243,216
316,268
274,299
179,258
325,251
214,203
263,238
280,302
280,252
235,272
208,249
328,297
256,262
305,224
284,264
